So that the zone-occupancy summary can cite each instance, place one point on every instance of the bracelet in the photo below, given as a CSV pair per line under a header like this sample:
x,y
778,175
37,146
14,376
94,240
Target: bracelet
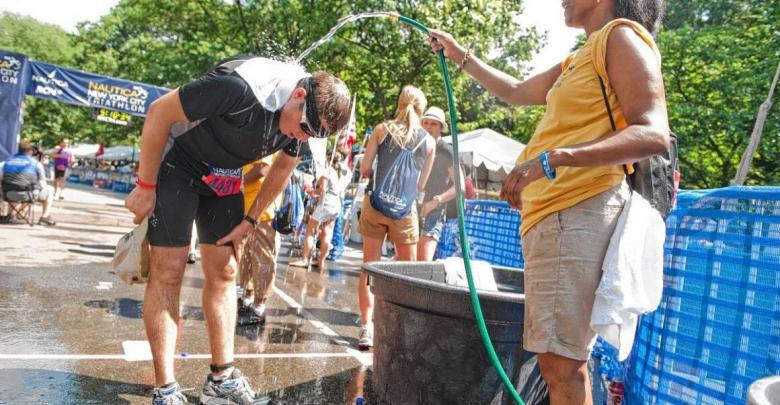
x,y
144,185
466,58
251,221
545,161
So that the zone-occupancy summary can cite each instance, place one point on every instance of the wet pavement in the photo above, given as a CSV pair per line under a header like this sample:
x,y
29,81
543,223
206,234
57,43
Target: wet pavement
x,y
71,332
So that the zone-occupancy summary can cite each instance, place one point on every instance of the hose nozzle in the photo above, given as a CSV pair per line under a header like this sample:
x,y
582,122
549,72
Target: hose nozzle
x,y
393,15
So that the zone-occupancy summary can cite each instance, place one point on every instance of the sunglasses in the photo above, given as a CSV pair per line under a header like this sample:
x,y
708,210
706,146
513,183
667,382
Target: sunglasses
x,y
310,121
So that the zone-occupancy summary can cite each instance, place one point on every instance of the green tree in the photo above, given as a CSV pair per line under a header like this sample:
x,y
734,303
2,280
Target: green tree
x,y
719,60
170,42
44,120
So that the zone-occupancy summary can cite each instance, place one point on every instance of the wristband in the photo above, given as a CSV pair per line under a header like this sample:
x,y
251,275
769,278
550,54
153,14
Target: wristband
x,y
545,161
216,368
251,221
144,185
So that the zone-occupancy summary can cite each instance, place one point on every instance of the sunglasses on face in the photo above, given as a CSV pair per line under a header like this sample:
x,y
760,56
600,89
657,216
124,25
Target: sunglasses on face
x,y
307,127
310,120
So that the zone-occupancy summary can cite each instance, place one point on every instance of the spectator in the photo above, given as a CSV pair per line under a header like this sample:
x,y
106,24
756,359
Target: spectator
x,y
330,192
388,139
62,160
440,188
257,269
23,178
569,181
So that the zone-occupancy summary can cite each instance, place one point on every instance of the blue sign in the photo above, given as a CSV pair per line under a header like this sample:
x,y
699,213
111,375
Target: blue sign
x,y
91,90
13,79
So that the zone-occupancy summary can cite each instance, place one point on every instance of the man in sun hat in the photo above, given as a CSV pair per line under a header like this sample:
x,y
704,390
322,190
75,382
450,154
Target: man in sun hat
x,y
194,143
440,189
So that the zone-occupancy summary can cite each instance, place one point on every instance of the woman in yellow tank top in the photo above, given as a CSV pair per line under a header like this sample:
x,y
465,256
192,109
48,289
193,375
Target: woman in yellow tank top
x,y
569,181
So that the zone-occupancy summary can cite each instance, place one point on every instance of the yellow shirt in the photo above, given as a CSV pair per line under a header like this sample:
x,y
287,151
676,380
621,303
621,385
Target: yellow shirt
x,y
251,189
576,114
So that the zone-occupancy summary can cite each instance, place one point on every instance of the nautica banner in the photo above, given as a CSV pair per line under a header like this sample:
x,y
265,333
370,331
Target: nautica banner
x,y
13,78
90,90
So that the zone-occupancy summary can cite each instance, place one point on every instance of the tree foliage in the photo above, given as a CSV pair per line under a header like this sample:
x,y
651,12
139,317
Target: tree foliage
x,y
719,60
170,42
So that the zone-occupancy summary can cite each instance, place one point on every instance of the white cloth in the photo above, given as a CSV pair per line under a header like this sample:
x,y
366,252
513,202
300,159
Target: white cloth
x,y
271,81
632,282
482,271
131,256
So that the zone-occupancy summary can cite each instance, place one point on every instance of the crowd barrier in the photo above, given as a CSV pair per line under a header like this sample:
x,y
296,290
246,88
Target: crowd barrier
x,y
106,179
718,326
492,229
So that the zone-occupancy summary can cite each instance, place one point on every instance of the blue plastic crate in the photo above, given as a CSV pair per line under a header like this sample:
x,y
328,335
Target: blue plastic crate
x,y
718,326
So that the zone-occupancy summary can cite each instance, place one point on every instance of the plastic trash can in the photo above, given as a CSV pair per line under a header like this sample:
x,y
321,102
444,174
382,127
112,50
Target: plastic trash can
x,y
427,348
765,391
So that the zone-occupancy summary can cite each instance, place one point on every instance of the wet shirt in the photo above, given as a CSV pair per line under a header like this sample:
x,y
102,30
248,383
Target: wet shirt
x,y
227,129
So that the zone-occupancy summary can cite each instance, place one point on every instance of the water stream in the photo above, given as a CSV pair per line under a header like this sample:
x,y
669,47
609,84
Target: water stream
x,y
338,26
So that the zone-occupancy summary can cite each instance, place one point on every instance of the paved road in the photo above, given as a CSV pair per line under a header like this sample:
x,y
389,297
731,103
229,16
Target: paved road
x,y
71,332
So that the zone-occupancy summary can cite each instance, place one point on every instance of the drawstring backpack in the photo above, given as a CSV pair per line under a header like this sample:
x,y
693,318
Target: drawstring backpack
x,y
396,194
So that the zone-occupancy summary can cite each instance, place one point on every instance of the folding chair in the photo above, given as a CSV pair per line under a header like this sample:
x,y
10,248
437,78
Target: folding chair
x,y
22,209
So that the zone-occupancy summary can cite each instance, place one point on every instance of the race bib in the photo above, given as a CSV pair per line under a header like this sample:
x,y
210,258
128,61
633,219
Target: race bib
x,y
223,181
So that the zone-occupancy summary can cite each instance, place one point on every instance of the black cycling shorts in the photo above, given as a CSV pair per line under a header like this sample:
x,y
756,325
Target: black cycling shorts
x,y
58,174
182,199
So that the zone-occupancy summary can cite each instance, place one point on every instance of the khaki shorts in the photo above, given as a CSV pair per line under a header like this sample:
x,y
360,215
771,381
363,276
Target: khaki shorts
x,y
563,257
374,224
258,260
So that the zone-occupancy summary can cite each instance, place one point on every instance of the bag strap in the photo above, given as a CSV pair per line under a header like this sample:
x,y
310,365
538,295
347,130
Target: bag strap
x,y
609,112
606,103
422,141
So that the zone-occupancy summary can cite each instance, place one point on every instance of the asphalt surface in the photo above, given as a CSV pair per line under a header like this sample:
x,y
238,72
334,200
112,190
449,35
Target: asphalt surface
x,y
71,332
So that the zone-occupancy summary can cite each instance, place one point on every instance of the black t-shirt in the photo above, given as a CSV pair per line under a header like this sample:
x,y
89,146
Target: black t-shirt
x,y
228,126
439,181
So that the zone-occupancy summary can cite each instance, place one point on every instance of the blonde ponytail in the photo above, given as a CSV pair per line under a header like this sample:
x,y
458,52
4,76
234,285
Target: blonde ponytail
x,y
411,104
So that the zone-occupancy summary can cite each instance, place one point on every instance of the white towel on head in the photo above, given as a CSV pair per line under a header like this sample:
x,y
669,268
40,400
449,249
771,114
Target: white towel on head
x,y
632,282
272,81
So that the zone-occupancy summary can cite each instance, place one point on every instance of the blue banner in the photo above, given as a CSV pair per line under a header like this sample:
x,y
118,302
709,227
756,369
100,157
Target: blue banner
x,y
91,90
13,79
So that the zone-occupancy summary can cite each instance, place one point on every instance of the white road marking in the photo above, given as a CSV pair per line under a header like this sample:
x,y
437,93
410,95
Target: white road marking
x,y
365,359
137,350
178,356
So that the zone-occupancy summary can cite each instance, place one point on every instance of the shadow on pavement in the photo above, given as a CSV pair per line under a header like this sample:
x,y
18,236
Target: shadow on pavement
x,y
133,309
86,246
22,386
90,253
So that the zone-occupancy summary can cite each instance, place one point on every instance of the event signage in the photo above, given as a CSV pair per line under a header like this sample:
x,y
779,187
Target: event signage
x,y
91,90
112,117
13,78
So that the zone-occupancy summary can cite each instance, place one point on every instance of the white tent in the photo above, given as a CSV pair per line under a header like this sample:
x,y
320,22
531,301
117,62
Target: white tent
x,y
492,155
79,150
120,153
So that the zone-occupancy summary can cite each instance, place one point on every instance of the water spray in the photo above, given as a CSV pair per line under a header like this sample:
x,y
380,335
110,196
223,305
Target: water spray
x,y
464,243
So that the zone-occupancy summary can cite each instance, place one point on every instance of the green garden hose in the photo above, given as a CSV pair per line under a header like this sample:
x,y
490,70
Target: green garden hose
x,y
461,223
